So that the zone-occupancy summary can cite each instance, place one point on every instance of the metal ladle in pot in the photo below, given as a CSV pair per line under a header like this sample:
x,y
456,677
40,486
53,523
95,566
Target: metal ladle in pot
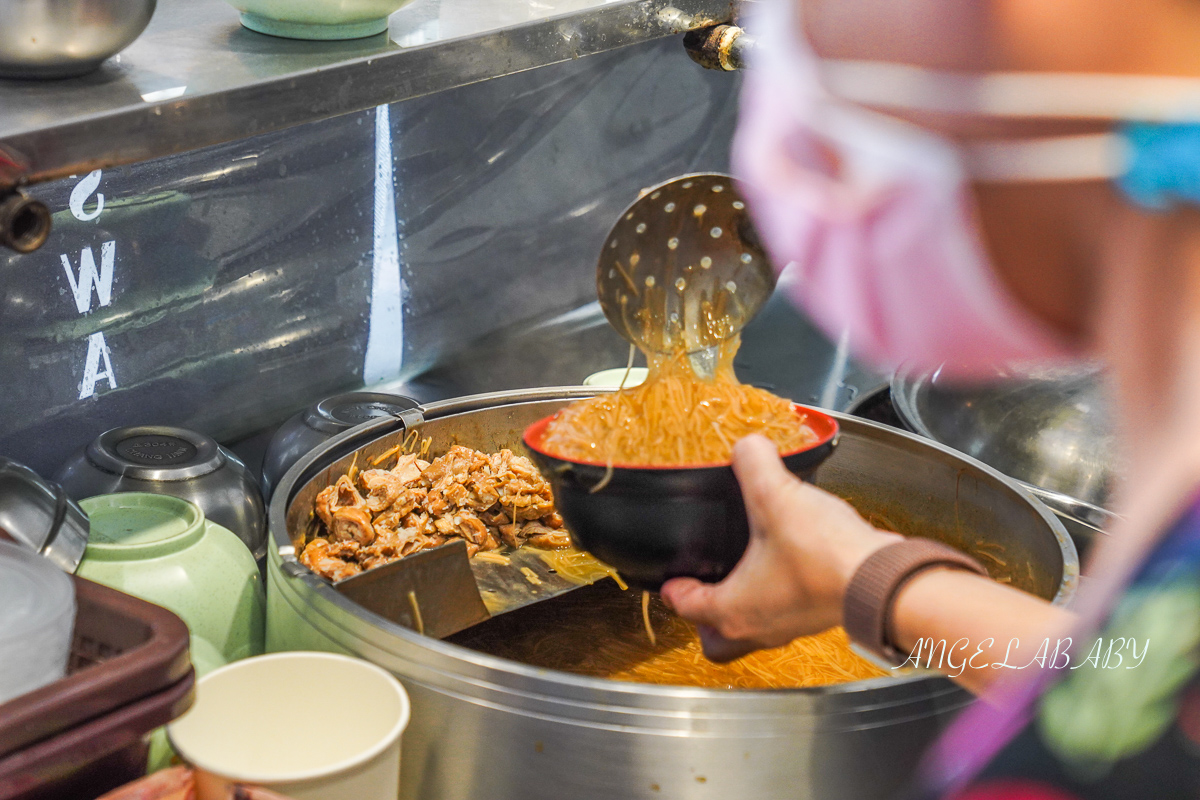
x,y
682,267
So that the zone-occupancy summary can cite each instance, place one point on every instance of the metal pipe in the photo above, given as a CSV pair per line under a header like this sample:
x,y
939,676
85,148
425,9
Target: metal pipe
x,y
723,47
24,222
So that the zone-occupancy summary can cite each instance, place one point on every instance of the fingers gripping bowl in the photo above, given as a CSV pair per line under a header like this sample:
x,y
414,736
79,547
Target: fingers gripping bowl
x,y
654,523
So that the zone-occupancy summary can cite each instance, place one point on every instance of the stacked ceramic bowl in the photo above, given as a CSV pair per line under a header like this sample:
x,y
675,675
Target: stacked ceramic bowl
x,y
165,460
164,550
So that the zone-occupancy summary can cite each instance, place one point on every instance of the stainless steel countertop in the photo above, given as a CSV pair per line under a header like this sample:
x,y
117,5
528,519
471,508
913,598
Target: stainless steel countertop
x,y
197,78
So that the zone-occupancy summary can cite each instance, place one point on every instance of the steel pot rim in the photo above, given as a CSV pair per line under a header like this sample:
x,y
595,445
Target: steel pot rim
x,y
584,689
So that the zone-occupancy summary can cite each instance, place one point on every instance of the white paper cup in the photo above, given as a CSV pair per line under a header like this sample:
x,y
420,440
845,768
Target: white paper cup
x,y
310,726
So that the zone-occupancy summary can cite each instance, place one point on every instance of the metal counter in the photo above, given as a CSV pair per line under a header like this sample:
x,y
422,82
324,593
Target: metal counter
x,y
197,78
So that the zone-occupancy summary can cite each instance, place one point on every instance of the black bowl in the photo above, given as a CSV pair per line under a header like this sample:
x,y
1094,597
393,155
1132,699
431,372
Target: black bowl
x,y
652,524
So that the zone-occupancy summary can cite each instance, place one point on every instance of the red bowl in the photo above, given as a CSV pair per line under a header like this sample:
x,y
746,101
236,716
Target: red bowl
x,y
654,523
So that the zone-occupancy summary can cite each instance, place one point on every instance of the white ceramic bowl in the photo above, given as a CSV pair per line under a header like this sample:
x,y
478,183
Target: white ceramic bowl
x,y
613,377
317,19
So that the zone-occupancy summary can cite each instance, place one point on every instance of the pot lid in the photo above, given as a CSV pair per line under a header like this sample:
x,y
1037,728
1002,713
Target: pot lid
x,y
1048,427
155,453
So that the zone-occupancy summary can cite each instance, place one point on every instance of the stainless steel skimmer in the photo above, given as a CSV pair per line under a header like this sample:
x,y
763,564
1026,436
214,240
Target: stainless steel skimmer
x,y
682,267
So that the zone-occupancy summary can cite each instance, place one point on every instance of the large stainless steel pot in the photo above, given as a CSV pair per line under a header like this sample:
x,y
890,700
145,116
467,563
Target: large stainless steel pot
x,y
483,727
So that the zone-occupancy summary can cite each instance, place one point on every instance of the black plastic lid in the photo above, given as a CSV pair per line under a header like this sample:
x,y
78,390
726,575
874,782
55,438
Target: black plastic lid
x,y
340,412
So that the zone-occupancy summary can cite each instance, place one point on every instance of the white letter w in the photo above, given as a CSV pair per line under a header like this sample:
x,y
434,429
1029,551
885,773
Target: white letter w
x,y
82,288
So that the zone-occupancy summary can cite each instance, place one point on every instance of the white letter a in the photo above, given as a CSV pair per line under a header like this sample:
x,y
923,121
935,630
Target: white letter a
x,y
97,351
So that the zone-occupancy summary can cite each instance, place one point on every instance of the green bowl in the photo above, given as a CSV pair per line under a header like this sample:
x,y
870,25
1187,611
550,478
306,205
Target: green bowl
x,y
162,549
317,19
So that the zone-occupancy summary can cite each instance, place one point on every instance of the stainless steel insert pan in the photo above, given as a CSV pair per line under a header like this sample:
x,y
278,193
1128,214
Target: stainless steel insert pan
x,y
487,727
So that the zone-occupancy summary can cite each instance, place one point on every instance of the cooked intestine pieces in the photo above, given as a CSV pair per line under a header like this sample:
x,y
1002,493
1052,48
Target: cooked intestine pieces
x,y
342,494
319,559
383,488
487,500
408,468
545,537
352,524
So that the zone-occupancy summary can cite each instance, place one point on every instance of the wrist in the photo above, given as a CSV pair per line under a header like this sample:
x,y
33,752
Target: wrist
x,y
879,580
851,557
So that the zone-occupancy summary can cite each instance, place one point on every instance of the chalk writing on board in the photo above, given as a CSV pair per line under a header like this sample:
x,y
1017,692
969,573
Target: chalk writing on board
x,y
94,371
88,281
82,191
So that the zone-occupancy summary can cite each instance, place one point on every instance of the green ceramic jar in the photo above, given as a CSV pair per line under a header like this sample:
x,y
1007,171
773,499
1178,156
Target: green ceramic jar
x,y
162,549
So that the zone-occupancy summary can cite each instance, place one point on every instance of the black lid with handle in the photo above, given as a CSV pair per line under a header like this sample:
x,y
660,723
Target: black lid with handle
x,y
319,422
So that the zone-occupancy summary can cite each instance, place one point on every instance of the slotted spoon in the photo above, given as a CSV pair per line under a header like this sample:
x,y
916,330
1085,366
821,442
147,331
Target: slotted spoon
x,y
682,266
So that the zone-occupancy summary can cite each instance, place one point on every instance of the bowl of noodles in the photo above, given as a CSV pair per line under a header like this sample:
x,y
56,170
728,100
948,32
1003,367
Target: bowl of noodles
x,y
642,476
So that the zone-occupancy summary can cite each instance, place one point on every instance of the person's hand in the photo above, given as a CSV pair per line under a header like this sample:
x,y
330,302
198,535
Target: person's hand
x,y
805,545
